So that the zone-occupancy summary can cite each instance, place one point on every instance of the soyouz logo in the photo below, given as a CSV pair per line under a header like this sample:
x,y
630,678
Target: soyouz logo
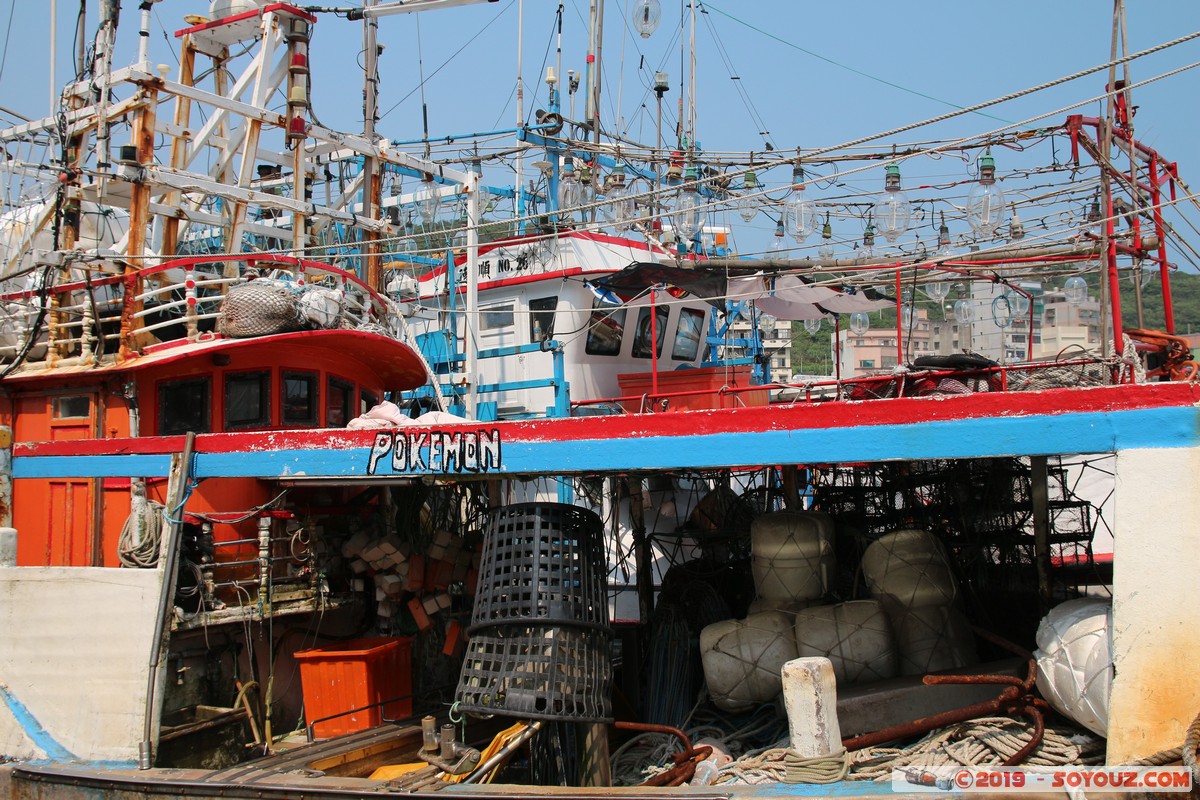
x,y
1040,779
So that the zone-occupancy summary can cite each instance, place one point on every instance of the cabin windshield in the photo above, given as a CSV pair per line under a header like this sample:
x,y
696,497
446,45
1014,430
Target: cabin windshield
x,y
605,329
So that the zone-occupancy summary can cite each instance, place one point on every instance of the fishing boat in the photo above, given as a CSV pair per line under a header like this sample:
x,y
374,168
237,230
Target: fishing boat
x,y
319,475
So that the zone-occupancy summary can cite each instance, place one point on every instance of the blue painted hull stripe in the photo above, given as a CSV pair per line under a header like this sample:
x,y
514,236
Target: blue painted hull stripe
x,y
33,729
1092,432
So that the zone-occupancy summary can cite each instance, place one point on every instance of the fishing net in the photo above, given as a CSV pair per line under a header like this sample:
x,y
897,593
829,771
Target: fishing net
x,y
258,308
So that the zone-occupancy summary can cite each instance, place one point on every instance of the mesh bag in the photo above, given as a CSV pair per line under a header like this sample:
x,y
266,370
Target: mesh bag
x,y
855,636
743,658
257,308
539,645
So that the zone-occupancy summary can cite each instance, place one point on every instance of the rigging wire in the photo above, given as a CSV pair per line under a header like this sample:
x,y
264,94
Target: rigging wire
x,y
751,109
828,60
421,86
12,7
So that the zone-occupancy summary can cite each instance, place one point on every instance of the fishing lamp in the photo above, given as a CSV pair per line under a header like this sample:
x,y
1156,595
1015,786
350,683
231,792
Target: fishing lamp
x,y
867,251
1076,290
747,205
799,211
428,205
943,248
860,322
777,244
646,15
688,211
568,188
1016,230
825,249
986,209
892,211
937,290
964,312
1093,217
1017,301
812,325
618,208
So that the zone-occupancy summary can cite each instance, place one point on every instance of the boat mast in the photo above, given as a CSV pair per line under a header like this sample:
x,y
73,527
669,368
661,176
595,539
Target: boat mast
x,y
372,184
595,45
1110,295
53,51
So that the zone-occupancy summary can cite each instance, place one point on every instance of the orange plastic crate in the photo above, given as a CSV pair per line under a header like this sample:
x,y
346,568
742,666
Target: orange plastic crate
x,y
708,380
356,674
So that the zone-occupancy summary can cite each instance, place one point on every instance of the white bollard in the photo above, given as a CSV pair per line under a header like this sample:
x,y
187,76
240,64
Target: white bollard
x,y
8,547
810,696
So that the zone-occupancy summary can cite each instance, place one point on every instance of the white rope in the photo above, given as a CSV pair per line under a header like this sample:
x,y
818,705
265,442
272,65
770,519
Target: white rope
x,y
988,741
784,765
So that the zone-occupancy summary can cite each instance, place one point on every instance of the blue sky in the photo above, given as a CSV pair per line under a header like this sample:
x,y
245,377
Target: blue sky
x,y
812,74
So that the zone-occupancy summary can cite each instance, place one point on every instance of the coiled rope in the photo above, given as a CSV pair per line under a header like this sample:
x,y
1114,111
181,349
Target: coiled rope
x,y
141,554
784,765
987,741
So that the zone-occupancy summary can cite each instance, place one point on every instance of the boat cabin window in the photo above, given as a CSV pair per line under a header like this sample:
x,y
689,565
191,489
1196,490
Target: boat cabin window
x,y
338,403
184,405
641,340
72,406
494,318
541,318
247,400
605,329
368,400
688,335
300,399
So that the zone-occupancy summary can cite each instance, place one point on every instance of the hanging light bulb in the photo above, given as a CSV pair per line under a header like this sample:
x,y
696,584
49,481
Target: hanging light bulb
x,y
986,207
825,249
799,211
892,211
1002,311
812,325
1016,230
747,205
867,251
1076,290
646,14
618,209
587,187
943,249
688,216
568,190
1147,274
964,312
777,243
429,203
1093,217
860,322
1017,301
937,290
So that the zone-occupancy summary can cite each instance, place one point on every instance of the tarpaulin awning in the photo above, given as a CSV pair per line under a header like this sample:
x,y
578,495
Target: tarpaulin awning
x,y
788,297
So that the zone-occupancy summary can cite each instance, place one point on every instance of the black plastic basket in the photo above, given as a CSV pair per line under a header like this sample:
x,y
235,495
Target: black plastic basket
x,y
542,562
551,672
539,643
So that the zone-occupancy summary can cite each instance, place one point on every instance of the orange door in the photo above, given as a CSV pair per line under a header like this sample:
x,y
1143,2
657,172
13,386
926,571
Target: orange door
x,y
56,517
69,539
